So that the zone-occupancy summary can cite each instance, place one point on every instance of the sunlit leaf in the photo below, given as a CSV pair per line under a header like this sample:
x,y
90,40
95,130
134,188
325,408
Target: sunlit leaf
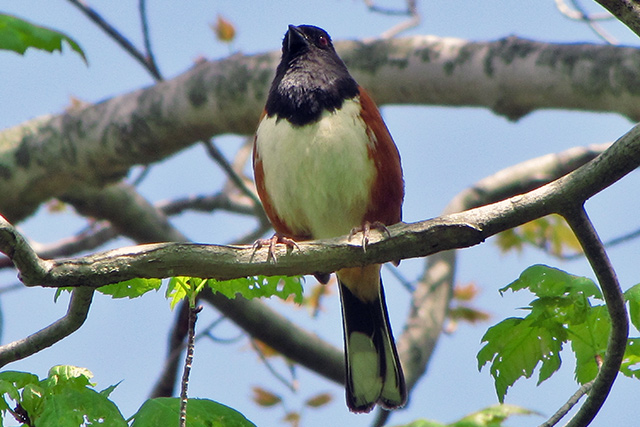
x,y
177,290
550,233
260,287
545,281
493,416
132,288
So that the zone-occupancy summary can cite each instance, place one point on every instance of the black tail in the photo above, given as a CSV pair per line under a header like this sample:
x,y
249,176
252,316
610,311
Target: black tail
x,y
374,374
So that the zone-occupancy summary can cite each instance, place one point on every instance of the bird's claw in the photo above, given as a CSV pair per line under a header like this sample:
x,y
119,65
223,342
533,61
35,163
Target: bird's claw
x,y
272,242
365,228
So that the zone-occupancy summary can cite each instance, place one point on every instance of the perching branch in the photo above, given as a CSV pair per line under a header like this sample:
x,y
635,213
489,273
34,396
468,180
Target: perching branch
x,y
407,240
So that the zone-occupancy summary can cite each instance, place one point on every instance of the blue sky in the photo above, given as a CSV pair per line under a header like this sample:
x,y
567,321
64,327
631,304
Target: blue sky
x,y
444,150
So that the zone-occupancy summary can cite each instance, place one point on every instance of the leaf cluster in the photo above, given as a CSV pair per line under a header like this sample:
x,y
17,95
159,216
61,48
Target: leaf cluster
x,y
67,398
565,311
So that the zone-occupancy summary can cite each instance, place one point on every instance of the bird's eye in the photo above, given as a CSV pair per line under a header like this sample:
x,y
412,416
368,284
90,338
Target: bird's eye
x,y
323,41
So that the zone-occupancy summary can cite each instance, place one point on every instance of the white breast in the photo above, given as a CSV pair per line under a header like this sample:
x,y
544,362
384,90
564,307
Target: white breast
x,y
318,176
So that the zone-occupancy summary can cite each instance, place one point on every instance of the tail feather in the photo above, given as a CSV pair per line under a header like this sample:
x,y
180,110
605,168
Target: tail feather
x,y
374,374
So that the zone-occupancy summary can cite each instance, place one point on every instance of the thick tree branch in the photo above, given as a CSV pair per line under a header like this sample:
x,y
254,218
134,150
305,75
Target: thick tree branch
x,y
627,12
98,144
75,317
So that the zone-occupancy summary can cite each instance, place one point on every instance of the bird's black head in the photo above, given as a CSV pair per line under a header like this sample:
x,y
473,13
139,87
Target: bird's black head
x,y
304,39
310,78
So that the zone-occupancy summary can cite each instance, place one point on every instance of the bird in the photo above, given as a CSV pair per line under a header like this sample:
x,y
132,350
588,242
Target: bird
x,y
325,165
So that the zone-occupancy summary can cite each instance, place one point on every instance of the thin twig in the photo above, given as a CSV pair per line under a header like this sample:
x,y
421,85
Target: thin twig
x,y
564,409
219,158
289,384
411,10
165,385
118,37
577,13
193,317
616,346
152,66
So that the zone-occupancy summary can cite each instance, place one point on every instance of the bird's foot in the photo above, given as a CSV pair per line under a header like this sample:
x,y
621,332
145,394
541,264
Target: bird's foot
x,y
365,229
272,242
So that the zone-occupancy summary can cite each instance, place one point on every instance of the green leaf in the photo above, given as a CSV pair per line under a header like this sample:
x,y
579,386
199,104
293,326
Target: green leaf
x,y
70,373
545,281
72,407
631,361
131,288
19,35
516,346
260,287
107,391
165,411
632,295
588,341
32,398
60,291
181,287
19,379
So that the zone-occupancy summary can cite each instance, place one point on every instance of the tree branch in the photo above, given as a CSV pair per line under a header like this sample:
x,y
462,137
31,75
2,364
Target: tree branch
x,y
564,409
150,59
75,317
627,12
120,39
98,144
597,256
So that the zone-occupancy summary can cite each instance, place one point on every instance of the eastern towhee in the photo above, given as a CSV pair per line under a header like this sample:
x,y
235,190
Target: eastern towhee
x,y
325,164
